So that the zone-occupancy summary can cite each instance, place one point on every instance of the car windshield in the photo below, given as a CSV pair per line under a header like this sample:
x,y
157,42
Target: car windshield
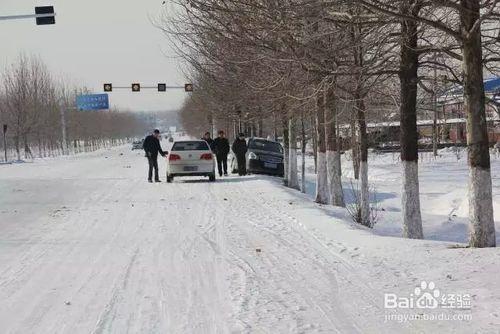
x,y
190,146
266,145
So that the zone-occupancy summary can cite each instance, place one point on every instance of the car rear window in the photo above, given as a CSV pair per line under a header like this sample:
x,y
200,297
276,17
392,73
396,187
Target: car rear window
x,y
265,145
190,146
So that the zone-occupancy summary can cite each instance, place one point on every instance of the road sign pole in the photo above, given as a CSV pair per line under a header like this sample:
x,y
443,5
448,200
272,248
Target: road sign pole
x,y
5,140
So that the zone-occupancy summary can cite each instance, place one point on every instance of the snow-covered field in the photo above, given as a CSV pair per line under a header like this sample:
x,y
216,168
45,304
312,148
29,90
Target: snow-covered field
x,y
443,192
87,246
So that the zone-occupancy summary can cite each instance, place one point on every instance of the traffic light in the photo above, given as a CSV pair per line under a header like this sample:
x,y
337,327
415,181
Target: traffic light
x,y
136,87
162,87
108,87
188,87
51,19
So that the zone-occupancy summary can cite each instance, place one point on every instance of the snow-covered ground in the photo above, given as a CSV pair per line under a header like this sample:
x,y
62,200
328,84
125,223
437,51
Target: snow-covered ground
x,y
87,246
443,192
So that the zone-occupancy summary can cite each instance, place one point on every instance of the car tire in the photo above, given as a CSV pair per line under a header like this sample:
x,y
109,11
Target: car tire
x,y
170,179
211,177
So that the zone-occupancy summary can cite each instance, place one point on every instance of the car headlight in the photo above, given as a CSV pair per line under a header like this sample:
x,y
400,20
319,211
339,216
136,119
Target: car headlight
x,y
253,156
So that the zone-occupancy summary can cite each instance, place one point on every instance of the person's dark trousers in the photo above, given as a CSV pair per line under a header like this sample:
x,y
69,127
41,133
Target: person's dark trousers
x,y
242,165
153,164
222,163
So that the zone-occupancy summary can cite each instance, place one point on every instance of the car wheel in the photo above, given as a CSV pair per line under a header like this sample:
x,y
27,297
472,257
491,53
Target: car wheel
x,y
170,179
211,177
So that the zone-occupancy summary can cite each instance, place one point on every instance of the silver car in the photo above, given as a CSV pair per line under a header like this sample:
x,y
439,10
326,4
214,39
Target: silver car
x,y
190,158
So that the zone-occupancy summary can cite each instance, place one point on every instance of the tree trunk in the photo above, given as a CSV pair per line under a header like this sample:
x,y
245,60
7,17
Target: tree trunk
x,y
286,150
354,146
444,128
322,193
332,152
303,151
435,137
481,223
17,146
412,221
314,142
27,150
364,196
39,143
260,124
293,178
275,128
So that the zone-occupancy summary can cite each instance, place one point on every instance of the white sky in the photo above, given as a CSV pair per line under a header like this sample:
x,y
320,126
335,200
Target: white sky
x,y
98,41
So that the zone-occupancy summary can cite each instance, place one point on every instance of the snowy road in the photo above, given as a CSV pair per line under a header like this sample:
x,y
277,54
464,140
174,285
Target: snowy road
x,y
87,246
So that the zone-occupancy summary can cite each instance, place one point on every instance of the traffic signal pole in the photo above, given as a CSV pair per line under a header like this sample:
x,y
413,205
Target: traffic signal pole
x,y
137,87
28,16
43,15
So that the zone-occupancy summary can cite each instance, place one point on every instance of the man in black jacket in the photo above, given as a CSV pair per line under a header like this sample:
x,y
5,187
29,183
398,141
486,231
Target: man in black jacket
x,y
240,149
209,140
152,147
221,150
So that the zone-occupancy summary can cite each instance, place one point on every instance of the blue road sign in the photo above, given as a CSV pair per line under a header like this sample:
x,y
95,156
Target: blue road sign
x,y
92,102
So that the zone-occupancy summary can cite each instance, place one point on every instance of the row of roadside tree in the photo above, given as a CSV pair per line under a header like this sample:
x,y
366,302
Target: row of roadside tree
x,y
306,68
41,117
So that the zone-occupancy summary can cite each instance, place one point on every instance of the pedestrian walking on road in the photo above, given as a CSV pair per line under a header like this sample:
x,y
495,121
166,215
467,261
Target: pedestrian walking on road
x,y
221,150
240,149
209,140
152,147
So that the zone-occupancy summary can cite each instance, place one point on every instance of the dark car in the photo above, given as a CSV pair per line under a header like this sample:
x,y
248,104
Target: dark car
x,y
137,145
263,157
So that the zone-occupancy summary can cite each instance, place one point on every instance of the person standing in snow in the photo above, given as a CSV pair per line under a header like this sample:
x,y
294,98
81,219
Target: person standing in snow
x,y
152,147
209,140
240,149
221,150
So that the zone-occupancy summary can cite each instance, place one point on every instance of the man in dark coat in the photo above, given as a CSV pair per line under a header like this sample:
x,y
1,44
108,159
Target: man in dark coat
x,y
152,147
209,140
240,149
221,150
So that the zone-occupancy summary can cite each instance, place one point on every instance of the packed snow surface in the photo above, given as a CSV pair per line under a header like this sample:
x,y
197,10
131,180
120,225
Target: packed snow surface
x,y
88,246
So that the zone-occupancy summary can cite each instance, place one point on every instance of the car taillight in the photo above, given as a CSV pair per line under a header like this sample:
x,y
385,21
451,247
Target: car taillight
x,y
174,157
206,156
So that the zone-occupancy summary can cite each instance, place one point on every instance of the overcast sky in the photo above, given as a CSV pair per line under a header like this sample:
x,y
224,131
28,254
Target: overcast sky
x,y
98,41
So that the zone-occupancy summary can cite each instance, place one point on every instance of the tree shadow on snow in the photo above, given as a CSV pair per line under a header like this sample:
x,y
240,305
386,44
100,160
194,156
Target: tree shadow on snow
x,y
351,194
249,177
226,179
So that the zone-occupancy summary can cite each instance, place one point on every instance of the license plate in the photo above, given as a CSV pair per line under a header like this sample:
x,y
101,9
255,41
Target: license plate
x,y
190,168
270,165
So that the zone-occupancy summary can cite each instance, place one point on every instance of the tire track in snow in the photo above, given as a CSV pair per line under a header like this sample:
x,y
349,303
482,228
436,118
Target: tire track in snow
x,y
274,272
356,279
107,316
